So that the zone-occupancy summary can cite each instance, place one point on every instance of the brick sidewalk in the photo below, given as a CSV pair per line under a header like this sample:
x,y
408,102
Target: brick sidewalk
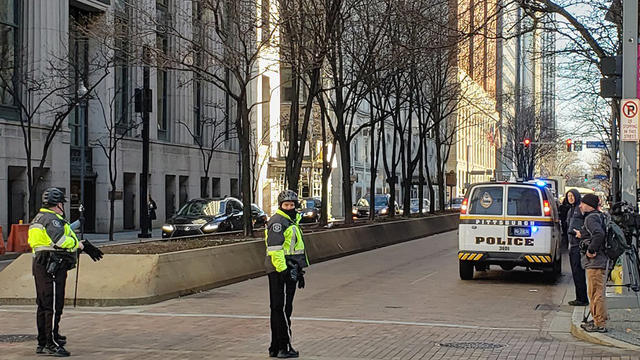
x,y
400,302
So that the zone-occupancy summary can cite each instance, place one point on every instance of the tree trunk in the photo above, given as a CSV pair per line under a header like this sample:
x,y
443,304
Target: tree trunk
x,y
244,135
345,163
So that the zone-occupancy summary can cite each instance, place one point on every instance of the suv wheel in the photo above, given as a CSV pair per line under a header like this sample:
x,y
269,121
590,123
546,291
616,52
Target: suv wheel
x,y
466,270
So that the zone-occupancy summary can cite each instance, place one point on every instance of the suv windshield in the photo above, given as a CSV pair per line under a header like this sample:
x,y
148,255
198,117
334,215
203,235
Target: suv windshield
x,y
202,208
486,200
523,201
380,200
312,203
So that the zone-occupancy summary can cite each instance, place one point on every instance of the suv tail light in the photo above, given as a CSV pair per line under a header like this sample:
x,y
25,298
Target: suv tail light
x,y
463,207
546,208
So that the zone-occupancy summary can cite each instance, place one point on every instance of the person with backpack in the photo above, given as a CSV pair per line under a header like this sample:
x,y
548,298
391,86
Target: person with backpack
x,y
575,221
594,261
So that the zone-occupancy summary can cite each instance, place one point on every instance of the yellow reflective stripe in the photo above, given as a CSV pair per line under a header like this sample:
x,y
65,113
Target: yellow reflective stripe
x,y
465,256
460,255
529,259
478,257
472,256
543,259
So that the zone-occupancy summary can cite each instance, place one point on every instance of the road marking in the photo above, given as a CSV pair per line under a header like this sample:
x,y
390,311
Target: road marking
x,y
264,317
424,277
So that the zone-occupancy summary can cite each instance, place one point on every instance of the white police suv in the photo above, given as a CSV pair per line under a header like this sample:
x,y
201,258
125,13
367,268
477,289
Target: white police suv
x,y
509,224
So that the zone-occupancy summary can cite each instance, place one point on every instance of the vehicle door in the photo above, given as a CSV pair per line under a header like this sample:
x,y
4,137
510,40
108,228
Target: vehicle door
x,y
482,218
235,216
528,220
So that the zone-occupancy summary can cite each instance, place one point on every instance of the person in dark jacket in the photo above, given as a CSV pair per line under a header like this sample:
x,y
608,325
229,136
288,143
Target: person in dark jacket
x,y
574,221
152,212
594,261
563,211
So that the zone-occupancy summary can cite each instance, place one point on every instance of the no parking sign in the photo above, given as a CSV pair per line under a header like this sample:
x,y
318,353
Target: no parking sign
x,y
629,119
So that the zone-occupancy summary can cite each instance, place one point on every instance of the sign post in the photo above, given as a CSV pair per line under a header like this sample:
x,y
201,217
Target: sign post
x,y
629,119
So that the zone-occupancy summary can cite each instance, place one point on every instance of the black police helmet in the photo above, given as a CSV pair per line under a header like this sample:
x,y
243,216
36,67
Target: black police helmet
x,y
287,195
52,197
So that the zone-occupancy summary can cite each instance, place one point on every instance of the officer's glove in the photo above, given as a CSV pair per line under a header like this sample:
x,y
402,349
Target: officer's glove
x,y
301,281
94,253
293,273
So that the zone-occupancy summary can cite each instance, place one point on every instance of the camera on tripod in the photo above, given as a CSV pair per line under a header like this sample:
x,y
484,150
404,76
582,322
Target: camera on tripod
x,y
623,214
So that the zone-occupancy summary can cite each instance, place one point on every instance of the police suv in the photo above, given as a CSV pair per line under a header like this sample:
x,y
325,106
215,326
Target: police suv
x,y
509,224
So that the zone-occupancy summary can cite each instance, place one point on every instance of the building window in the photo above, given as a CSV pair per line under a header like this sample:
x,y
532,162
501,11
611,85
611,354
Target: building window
x,y
233,185
286,85
161,81
121,71
266,21
215,188
266,109
9,15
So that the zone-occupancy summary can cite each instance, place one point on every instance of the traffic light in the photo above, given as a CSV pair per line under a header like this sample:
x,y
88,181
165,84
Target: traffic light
x,y
577,145
586,177
569,145
526,142
611,83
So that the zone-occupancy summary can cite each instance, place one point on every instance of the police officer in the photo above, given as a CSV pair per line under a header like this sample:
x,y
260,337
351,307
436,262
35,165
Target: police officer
x,y
285,261
54,247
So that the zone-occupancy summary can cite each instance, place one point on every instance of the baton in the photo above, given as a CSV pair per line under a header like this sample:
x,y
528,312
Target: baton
x,y
75,292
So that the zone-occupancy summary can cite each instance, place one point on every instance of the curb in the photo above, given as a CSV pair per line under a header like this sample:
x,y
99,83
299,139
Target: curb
x,y
596,338
9,256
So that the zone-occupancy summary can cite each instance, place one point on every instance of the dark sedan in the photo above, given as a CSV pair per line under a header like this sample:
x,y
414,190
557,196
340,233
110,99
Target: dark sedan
x,y
205,216
310,210
381,206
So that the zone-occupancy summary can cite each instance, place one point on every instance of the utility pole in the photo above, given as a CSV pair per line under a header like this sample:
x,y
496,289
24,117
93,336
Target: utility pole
x,y
143,105
628,156
628,152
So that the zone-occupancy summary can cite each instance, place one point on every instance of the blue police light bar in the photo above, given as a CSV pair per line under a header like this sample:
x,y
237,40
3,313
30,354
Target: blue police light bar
x,y
534,229
541,183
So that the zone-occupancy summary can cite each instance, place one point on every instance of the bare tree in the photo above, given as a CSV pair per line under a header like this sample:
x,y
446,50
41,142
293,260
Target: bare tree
x,y
116,129
209,134
303,50
45,98
228,44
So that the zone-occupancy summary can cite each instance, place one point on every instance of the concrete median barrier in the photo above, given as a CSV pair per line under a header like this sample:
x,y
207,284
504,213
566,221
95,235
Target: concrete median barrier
x,y
124,279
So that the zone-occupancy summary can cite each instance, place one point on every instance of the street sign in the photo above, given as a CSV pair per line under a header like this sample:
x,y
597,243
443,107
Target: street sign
x,y
629,119
600,177
596,145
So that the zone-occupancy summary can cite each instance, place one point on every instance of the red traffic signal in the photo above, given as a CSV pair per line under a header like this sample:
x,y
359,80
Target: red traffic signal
x,y
569,142
527,142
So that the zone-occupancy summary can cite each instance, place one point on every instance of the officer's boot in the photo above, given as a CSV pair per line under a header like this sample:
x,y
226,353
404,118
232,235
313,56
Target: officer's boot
x,y
60,339
57,350
290,352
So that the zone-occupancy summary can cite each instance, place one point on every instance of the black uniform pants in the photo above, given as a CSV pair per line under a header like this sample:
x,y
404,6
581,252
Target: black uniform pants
x,y
50,301
579,277
281,294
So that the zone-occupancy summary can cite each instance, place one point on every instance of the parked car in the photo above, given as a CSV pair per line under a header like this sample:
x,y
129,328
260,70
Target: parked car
x,y
310,210
381,206
205,216
456,203
415,208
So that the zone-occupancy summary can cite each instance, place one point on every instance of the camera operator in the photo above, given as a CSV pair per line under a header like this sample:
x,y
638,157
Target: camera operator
x,y
594,261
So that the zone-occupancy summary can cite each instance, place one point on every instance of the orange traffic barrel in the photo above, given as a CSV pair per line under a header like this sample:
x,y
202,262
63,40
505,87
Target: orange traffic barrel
x,y
18,238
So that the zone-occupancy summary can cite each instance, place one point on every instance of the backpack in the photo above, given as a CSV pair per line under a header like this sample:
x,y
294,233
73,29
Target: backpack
x,y
615,243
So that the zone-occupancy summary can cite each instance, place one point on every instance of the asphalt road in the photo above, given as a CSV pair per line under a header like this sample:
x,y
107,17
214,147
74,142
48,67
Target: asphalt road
x,y
400,302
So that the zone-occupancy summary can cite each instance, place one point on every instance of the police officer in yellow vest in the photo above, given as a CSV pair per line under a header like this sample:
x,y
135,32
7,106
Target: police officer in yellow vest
x,y
54,247
285,261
